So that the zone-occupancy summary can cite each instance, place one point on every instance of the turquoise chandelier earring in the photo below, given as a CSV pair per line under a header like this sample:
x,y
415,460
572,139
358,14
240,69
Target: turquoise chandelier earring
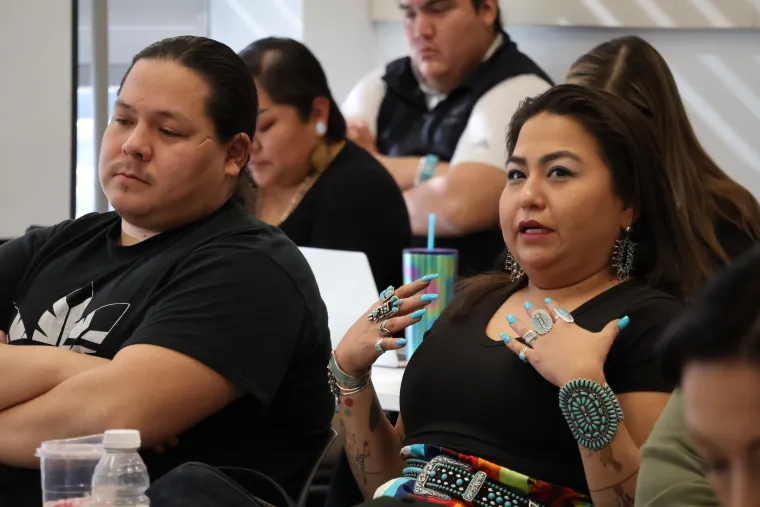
x,y
624,255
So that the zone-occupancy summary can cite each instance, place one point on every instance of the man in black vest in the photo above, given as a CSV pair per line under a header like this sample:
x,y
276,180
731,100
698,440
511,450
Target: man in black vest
x,y
437,121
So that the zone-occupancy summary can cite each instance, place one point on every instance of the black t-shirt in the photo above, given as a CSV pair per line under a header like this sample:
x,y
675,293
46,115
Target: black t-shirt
x,y
228,291
355,205
464,391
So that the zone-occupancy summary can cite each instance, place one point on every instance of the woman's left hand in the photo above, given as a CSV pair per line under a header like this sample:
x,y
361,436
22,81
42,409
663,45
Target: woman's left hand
x,y
566,351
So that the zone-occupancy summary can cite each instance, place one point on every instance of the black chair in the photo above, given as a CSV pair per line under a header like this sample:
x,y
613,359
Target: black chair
x,y
304,496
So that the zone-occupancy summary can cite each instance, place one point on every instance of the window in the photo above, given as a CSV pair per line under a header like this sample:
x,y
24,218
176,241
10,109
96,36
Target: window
x,y
87,163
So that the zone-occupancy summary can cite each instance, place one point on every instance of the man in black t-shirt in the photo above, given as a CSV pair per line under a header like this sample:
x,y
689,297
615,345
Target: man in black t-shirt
x,y
179,314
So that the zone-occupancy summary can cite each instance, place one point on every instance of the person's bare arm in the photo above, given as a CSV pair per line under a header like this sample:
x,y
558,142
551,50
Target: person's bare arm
x,y
372,445
155,390
612,472
465,200
38,369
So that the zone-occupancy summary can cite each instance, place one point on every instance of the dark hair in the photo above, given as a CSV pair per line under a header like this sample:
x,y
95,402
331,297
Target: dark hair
x,y
293,76
497,23
632,69
232,104
724,321
628,146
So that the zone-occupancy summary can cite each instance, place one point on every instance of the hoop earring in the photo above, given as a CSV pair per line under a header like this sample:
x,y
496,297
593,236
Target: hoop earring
x,y
513,268
624,255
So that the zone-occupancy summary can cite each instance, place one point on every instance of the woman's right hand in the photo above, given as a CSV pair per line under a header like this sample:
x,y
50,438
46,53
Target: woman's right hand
x,y
356,352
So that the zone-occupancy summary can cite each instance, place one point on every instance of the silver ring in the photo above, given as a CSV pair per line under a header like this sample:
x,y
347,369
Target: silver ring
x,y
384,311
383,330
530,338
563,314
522,356
379,346
542,321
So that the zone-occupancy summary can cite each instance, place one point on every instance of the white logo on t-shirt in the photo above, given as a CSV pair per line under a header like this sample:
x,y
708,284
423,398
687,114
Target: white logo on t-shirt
x,y
65,324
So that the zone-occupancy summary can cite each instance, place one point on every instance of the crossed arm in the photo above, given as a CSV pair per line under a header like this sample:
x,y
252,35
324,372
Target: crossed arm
x,y
56,393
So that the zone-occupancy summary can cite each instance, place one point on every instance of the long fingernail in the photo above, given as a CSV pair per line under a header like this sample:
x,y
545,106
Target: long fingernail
x,y
528,305
418,314
398,302
428,278
511,318
623,323
547,300
401,342
504,337
426,298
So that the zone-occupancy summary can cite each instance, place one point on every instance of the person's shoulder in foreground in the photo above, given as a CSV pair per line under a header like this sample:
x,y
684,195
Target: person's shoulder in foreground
x,y
705,410
671,472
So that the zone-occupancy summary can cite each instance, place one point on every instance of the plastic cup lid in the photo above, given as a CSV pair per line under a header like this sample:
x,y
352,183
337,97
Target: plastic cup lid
x,y
84,448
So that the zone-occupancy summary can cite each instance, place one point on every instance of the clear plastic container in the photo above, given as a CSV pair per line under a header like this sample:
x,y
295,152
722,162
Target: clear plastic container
x,y
121,478
67,467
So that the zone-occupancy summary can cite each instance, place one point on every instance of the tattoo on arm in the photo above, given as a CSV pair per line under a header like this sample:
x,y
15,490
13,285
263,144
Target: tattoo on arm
x,y
607,458
624,499
375,413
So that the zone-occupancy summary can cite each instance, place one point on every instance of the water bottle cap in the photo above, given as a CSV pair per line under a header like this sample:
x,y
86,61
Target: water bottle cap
x,y
121,439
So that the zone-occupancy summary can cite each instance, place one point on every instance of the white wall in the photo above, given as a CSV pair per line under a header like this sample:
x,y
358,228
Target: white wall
x,y
718,74
35,114
339,32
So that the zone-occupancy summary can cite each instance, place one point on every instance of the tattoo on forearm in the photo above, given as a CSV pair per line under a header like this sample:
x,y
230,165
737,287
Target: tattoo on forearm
x,y
607,458
375,412
623,497
618,486
357,460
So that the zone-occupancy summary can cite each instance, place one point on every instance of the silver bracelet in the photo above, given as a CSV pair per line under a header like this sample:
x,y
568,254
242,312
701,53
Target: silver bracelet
x,y
343,384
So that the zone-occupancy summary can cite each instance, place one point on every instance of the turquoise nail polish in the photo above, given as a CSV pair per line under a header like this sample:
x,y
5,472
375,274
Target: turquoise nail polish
x,y
398,302
511,318
563,312
548,300
418,314
623,323
504,337
426,298
401,342
428,278
528,305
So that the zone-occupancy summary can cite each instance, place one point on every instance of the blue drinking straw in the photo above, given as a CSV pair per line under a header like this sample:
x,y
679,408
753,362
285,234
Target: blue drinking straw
x,y
431,231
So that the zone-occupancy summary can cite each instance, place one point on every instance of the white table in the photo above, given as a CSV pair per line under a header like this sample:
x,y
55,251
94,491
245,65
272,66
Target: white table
x,y
387,383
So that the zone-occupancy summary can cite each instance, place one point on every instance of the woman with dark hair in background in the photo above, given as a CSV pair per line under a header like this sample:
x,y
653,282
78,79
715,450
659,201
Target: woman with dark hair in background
x,y
576,316
320,189
721,219
719,372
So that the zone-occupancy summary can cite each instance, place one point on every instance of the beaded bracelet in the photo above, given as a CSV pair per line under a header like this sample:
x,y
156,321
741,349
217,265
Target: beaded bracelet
x,y
343,384
592,412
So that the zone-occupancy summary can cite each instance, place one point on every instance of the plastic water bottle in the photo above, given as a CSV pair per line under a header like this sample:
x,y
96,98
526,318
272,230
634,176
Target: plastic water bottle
x,y
121,478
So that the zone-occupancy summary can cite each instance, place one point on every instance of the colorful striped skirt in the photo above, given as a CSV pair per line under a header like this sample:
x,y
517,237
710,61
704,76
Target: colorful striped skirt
x,y
444,477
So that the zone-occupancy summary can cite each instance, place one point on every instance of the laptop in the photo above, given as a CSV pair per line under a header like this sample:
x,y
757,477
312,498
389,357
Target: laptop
x,y
348,289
